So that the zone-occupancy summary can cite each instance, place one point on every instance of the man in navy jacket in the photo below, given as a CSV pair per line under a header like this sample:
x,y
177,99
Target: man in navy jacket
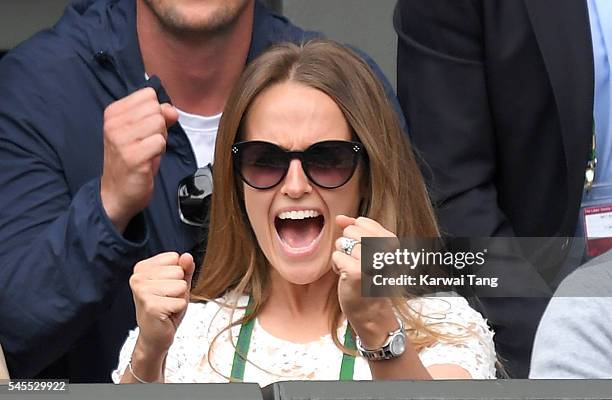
x,y
80,201
499,95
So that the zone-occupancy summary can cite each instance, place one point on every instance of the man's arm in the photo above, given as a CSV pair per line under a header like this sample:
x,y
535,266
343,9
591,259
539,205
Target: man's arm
x,y
443,92
61,257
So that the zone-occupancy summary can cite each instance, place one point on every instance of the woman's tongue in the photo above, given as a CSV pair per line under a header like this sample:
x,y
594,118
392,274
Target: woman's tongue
x,y
298,233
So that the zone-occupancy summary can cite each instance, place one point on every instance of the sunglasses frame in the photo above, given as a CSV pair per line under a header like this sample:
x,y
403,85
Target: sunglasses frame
x,y
204,171
291,155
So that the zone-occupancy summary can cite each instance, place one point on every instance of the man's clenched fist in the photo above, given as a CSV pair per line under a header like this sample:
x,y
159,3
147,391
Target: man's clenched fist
x,y
135,134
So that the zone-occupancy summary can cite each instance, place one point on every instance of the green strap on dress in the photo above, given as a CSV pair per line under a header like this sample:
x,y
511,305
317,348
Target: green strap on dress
x,y
347,367
242,347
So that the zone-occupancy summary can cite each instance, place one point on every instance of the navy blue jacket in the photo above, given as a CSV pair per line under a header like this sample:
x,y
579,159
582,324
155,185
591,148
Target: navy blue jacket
x,y
65,303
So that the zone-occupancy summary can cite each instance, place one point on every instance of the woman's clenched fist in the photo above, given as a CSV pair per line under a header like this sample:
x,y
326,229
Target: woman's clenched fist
x,y
161,286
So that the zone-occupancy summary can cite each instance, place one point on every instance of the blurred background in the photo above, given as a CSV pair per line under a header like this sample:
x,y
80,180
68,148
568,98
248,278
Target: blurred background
x,y
366,24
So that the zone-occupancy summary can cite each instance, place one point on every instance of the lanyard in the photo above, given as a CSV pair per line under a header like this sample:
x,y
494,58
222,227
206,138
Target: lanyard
x,y
244,340
589,173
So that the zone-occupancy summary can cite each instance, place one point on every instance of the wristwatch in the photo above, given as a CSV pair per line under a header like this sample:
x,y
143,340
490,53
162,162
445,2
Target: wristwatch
x,y
393,347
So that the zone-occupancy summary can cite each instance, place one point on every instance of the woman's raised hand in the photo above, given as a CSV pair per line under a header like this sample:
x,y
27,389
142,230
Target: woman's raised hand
x,y
371,318
161,286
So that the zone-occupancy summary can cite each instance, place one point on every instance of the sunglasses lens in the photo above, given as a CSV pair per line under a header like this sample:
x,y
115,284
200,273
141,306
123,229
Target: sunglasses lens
x,y
262,165
194,196
331,164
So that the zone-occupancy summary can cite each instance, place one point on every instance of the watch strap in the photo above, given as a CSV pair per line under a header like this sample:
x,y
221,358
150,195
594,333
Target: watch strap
x,y
384,352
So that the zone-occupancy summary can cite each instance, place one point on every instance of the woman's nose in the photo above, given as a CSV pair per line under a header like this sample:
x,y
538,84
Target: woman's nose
x,y
296,183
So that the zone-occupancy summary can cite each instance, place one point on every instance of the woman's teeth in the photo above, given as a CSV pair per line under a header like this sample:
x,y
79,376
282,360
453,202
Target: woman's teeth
x,y
302,214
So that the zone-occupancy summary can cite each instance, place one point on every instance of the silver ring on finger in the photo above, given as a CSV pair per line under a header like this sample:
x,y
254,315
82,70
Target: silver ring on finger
x,y
347,245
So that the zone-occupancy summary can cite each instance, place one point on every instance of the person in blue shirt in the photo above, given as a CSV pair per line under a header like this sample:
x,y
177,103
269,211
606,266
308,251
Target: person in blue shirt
x,y
573,337
600,22
91,156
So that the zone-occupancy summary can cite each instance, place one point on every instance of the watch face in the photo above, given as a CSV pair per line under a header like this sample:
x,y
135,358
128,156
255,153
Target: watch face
x,y
398,345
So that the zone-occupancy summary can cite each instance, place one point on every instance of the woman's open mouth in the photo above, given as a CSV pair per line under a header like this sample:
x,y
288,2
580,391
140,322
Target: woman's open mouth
x,y
299,231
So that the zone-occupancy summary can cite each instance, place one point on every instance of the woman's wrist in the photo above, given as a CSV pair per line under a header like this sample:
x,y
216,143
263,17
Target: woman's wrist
x,y
147,363
374,330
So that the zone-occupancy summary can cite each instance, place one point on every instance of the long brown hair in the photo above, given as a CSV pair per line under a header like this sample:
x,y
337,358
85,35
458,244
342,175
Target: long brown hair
x,y
394,191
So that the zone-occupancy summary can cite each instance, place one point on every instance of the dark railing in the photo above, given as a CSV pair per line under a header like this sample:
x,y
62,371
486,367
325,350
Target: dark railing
x,y
391,390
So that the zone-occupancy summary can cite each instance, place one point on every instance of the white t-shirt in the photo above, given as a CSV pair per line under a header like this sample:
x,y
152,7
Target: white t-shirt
x,y
202,132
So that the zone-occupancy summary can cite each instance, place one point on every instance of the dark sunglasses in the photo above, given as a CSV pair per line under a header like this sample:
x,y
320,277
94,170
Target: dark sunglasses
x,y
194,194
328,164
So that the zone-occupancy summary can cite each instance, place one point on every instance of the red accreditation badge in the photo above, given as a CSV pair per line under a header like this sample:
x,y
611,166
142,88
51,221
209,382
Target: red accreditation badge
x,y
597,221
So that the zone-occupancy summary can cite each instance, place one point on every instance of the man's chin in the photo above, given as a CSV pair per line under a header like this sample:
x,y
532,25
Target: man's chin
x,y
183,20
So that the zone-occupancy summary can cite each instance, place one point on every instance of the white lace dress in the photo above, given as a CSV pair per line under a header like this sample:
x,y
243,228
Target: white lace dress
x,y
271,359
